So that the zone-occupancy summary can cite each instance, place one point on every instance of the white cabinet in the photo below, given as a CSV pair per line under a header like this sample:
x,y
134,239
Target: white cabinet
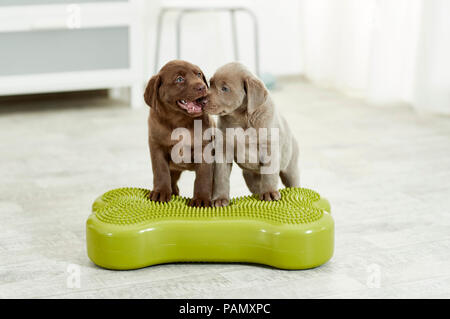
x,y
56,45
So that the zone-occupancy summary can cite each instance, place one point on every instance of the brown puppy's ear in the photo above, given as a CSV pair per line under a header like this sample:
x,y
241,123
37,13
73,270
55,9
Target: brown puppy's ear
x,y
256,93
151,92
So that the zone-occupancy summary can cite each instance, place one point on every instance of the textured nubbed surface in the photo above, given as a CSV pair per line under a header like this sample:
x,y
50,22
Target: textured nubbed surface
x,y
129,206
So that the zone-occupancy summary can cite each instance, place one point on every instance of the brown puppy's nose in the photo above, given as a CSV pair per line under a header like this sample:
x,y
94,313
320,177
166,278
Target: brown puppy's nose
x,y
204,102
200,88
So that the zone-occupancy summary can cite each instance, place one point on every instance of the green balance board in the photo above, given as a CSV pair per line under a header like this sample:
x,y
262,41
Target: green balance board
x,y
127,231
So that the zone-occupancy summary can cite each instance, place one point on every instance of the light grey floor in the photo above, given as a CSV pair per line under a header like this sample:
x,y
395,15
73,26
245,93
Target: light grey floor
x,y
385,171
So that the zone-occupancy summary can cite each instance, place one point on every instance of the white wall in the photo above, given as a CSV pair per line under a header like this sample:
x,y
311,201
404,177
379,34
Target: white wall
x,y
206,37
387,52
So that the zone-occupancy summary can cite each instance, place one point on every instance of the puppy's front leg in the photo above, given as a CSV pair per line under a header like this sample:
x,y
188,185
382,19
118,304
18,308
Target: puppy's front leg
x,y
202,185
162,189
221,188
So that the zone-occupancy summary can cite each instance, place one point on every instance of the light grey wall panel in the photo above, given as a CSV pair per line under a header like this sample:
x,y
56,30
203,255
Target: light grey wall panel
x,y
27,2
63,50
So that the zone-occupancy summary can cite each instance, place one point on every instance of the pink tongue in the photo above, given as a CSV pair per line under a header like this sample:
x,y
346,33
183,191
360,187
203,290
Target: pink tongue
x,y
191,107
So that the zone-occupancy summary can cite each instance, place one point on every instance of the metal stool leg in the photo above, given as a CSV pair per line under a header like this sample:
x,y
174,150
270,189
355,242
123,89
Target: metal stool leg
x,y
178,32
234,35
256,38
161,14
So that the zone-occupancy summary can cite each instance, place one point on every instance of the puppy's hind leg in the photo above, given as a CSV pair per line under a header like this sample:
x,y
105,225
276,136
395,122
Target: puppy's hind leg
x,y
253,181
269,185
290,176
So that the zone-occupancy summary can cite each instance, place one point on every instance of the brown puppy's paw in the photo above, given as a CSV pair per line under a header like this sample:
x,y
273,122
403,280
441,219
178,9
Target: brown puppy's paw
x,y
221,202
175,190
199,202
268,196
160,196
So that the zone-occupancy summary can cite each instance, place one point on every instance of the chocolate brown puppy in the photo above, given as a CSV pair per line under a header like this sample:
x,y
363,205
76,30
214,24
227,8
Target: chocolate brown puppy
x,y
177,96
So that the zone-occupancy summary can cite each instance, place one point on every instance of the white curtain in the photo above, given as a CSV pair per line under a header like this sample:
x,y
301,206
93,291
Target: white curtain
x,y
387,51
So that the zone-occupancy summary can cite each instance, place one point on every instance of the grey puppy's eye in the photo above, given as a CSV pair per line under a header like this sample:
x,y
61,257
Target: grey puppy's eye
x,y
225,89
179,79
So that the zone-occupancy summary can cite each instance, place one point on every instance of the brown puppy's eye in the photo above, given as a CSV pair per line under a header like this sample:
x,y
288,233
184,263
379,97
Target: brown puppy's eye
x,y
179,79
199,74
225,89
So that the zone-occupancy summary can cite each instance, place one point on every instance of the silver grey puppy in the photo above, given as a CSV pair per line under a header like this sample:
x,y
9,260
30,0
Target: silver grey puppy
x,y
241,100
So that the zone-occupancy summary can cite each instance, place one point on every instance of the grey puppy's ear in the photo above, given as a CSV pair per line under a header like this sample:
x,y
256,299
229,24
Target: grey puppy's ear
x,y
151,92
256,93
